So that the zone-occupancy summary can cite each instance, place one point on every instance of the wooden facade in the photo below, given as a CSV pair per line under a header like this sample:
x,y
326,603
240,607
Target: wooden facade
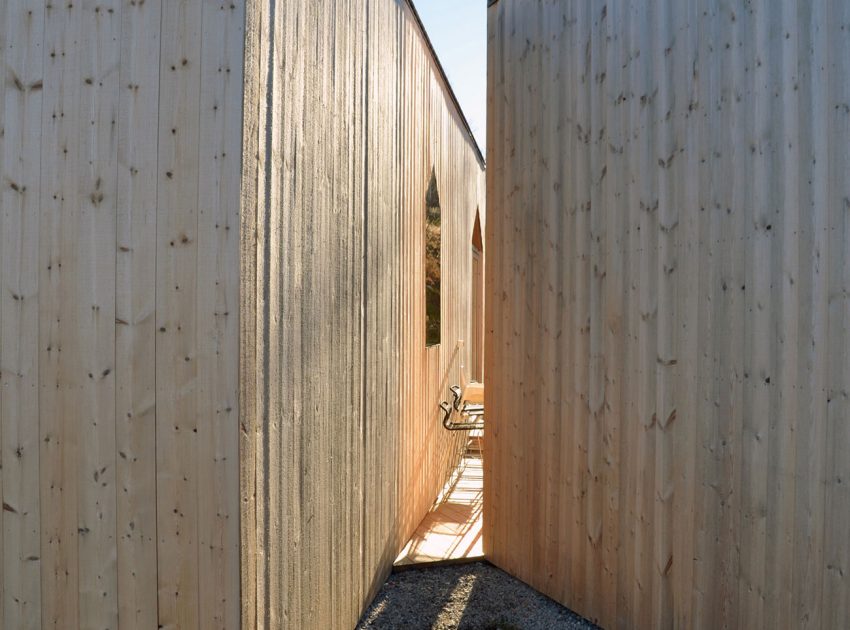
x,y
347,113
668,323
212,314
120,172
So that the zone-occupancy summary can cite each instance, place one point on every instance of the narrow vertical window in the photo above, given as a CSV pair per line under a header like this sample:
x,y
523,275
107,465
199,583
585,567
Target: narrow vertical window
x,y
477,324
432,263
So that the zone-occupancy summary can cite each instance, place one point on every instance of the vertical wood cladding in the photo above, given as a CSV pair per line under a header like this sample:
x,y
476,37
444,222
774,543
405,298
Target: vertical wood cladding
x,y
120,157
346,114
668,293
213,212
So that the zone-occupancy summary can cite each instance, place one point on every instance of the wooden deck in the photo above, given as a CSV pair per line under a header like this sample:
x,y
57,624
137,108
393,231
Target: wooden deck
x,y
451,531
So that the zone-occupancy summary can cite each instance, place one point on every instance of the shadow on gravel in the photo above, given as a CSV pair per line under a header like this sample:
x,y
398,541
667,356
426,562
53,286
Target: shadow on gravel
x,y
475,596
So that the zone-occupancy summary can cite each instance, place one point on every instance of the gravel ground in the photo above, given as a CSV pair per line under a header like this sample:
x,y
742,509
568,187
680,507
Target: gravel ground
x,y
465,596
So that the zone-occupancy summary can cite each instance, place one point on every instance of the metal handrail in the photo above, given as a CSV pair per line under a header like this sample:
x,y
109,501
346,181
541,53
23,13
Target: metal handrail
x,y
458,426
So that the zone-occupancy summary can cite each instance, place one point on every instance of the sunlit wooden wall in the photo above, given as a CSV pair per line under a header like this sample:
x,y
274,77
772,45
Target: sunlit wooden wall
x,y
120,151
668,314
343,451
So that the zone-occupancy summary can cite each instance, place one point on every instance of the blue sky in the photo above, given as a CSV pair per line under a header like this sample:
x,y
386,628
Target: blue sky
x,y
458,31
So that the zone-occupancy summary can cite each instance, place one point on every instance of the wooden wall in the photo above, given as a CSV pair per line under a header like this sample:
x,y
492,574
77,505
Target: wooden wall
x,y
668,314
120,138
343,453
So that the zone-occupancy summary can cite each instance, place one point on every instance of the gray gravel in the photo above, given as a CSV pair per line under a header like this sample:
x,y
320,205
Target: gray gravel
x,y
465,596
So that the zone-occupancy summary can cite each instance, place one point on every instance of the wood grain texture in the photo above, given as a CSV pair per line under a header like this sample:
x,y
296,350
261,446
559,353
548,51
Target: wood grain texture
x,y
135,310
120,157
21,61
667,324
342,448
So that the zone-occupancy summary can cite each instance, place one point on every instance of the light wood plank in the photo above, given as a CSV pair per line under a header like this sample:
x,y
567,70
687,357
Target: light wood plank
x,y
94,282
177,280
835,599
21,59
135,316
217,316
60,309
3,36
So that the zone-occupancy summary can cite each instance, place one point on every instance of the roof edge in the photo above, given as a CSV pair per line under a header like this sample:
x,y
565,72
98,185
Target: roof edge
x,y
445,78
